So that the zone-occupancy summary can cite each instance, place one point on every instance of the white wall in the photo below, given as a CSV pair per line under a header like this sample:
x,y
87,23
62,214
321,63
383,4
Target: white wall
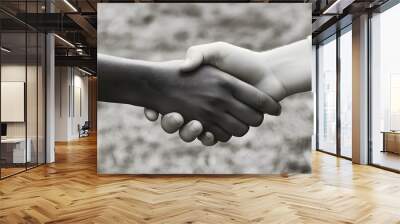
x,y
12,73
34,124
79,117
62,81
70,81
18,73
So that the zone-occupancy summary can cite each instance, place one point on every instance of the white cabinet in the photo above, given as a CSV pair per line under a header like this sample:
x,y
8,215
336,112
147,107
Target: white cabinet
x,y
17,147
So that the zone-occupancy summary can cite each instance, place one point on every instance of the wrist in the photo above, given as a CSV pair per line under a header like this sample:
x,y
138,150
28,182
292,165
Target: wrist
x,y
289,67
273,86
140,87
161,84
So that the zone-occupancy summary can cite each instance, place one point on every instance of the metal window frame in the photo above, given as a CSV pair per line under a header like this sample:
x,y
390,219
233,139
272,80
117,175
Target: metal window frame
x,y
333,37
44,74
387,5
381,9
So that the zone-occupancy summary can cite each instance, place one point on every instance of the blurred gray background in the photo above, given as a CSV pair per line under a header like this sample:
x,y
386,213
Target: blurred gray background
x,y
130,144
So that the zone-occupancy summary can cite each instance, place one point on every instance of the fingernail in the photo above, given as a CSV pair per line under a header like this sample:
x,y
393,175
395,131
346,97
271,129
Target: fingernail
x,y
177,120
196,126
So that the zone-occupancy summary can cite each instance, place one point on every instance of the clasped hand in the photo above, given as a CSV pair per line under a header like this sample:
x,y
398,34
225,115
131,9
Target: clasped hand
x,y
217,92
239,63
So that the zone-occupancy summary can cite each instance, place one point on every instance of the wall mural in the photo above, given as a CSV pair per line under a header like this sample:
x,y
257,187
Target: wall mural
x,y
204,88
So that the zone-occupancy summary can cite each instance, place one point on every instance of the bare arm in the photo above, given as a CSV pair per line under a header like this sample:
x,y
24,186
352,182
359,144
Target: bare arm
x,y
223,104
291,66
124,80
280,72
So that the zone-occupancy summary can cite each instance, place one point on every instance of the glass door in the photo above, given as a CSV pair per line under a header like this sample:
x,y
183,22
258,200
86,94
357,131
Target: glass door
x,y
385,89
327,95
22,88
346,92
14,144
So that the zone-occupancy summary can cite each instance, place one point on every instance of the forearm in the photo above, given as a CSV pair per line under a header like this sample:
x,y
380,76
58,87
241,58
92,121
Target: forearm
x,y
289,66
279,72
123,80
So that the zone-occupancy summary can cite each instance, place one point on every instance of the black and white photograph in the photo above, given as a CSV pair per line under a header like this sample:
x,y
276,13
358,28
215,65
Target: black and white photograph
x,y
204,88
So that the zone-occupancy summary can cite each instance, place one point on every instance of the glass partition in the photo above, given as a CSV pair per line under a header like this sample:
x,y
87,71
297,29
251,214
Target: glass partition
x,y
385,89
32,95
346,92
327,95
14,153
32,103
22,88
41,109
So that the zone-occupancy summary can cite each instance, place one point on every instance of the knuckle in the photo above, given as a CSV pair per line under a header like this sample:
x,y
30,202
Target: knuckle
x,y
217,82
216,101
223,84
207,112
262,101
191,49
220,44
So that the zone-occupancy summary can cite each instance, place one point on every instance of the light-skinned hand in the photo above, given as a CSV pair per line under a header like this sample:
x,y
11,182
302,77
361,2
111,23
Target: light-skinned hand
x,y
256,68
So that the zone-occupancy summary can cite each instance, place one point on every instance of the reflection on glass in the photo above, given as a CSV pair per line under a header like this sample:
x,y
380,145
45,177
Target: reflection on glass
x,y
31,100
327,96
385,114
346,94
41,99
15,151
22,91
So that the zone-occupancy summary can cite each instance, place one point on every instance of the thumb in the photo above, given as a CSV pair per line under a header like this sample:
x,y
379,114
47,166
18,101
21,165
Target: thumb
x,y
194,58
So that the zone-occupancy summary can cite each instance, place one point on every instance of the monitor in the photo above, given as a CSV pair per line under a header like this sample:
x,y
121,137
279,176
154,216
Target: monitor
x,y
3,129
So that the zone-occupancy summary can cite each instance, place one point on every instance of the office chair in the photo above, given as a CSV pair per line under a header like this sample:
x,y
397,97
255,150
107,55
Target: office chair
x,y
84,130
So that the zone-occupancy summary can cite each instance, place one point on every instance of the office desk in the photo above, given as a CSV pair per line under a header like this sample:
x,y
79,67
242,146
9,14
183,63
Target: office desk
x,y
391,141
13,150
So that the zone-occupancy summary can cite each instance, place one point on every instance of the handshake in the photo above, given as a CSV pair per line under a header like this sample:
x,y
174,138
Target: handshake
x,y
217,92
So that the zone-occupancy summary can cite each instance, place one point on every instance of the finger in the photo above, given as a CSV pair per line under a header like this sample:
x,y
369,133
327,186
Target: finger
x,y
190,131
219,133
255,98
171,122
232,125
150,114
204,54
207,138
194,58
246,114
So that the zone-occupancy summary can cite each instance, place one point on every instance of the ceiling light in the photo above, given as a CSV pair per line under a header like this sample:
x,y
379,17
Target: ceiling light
x,y
5,50
337,7
86,72
326,11
70,5
65,41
